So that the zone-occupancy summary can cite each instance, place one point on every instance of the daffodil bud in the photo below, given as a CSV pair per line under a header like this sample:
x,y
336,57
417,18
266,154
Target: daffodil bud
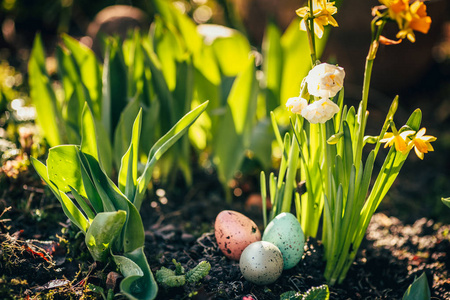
x,y
325,80
320,111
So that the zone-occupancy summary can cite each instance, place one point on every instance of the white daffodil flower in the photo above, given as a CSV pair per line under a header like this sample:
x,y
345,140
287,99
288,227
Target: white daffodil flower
x,y
325,80
320,111
296,104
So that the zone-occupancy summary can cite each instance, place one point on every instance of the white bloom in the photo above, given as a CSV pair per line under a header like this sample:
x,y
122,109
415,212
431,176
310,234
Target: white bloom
x,y
320,111
325,80
296,104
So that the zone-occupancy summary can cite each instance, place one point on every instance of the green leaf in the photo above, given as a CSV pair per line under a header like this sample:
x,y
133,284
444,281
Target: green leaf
x,y
168,279
126,266
124,130
88,133
231,52
69,208
162,145
261,143
64,168
161,89
49,116
272,65
169,49
129,165
317,293
137,284
290,295
198,272
418,290
234,130
207,65
105,227
114,88
89,70
75,94
113,199
83,204
446,201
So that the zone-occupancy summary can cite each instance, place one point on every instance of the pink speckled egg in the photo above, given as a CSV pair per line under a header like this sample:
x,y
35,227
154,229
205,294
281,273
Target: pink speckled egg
x,y
234,232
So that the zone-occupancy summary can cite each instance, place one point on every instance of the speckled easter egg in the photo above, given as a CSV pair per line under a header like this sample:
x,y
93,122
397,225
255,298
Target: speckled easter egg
x,y
285,232
261,263
234,232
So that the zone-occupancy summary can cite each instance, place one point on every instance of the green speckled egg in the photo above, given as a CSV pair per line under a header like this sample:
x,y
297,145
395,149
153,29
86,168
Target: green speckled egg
x,y
285,232
261,263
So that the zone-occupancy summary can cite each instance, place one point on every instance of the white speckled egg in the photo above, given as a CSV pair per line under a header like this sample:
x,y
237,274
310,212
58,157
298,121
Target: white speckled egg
x,y
261,263
285,232
234,232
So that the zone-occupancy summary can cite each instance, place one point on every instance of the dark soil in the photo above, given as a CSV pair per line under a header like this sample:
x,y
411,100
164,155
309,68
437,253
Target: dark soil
x,y
43,257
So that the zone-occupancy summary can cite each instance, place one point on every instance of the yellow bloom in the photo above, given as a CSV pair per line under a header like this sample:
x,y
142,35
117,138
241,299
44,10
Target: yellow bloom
x,y
396,9
416,19
409,18
322,15
399,140
421,143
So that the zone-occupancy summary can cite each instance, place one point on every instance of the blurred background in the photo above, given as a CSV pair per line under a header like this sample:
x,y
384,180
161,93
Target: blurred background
x,y
419,73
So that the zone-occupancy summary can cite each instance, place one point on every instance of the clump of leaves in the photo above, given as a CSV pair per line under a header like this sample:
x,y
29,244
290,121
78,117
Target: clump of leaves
x,y
315,293
175,278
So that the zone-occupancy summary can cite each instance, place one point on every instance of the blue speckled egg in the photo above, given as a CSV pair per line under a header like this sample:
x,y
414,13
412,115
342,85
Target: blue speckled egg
x,y
261,263
285,232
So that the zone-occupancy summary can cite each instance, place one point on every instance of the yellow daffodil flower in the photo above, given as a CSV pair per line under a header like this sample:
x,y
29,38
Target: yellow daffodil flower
x,y
421,143
399,140
415,20
396,9
322,15
409,17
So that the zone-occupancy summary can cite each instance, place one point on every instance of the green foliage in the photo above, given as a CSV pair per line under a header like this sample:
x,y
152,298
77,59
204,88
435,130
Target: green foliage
x,y
328,156
315,293
176,278
418,290
198,272
446,201
108,214
174,68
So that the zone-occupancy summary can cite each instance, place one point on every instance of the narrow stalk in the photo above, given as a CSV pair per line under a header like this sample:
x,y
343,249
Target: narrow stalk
x,y
291,172
310,33
365,92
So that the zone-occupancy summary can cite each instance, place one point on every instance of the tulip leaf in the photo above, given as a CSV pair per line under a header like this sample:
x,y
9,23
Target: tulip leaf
x,y
114,87
69,208
234,130
114,199
232,53
129,162
124,130
272,65
88,69
161,146
105,227
418,290
64,168
93,141
139,283
446,201
44,98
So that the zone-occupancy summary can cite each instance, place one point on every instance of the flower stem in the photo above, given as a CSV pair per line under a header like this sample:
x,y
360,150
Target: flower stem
x,y
362,111
310,33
